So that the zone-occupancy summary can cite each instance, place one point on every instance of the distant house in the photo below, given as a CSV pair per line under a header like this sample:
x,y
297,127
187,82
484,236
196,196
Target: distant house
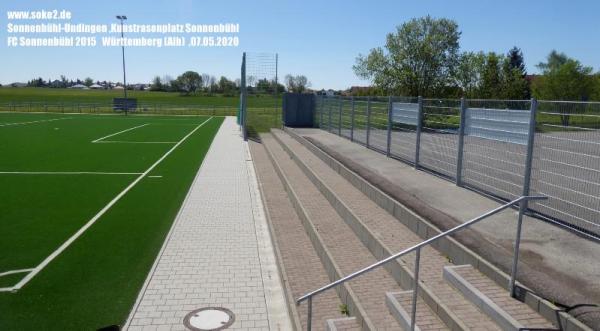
x,y
96,87
56,83
16,84
119,87
330,93
79,87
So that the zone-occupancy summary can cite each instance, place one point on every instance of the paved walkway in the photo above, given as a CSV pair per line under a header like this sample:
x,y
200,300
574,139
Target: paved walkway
x,y
218,252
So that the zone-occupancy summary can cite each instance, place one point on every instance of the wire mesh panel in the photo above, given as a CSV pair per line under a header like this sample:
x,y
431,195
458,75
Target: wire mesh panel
x,y
360,119
405,111
346,117
334,115
260,80
379,122
566,164
317,122
493,162
439,135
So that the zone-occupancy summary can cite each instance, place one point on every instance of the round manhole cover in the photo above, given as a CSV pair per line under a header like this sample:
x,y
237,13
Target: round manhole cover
x,y
209,318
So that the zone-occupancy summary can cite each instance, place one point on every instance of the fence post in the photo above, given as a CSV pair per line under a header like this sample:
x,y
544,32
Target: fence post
x,y
389,127
526,189
352,121
368,120
329,123
461,141
340,116
419,128
321,111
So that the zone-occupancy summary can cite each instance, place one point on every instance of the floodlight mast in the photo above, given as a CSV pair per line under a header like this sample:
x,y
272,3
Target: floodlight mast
x,y
122,18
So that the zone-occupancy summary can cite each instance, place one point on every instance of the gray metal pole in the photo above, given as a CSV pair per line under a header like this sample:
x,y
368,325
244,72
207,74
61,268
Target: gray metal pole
x,y
461,141
526,189
124,75
330,110
340,116
413,312
322,110
419,128
352,121
389,127
309,317
368,121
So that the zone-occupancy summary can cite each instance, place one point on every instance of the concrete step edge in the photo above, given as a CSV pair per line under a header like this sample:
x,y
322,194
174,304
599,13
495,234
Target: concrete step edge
x,y
332,324
291,303
485,304
398,311
459,253
345,292
398,270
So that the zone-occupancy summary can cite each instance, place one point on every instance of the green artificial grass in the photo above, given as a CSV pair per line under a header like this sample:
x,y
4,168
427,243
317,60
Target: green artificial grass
x,y
96,280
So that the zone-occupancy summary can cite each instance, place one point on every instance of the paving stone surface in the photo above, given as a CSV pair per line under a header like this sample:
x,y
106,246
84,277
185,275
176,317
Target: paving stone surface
x,y
345,247
211,255
302,265
396,236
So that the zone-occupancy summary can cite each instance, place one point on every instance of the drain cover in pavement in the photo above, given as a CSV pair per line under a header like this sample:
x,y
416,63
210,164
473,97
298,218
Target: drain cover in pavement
x,y
209,318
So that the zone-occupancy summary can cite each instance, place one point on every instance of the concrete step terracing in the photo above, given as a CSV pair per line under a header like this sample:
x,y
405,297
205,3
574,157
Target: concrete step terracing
x,y
300,267
384,235
341,249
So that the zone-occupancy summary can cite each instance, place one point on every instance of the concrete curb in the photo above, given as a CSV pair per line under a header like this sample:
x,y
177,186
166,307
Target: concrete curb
x,y
292,307
396,309
331,323
459,253
398,270
345,293
484,303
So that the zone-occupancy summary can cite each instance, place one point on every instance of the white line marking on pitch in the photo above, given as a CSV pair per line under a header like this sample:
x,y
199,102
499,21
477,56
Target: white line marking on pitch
x,y
134,142
6,273
66,173
87,225
116,133
157,176
30,122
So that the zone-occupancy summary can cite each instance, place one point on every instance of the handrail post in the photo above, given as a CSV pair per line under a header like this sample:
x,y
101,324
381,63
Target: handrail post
x,y
461,141
340,116
524,203
368,120
389,128
309,315
419,128
352,121
413,312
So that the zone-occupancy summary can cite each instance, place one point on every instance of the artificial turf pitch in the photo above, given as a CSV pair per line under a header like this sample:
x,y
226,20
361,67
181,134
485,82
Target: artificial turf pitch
x,y
54,179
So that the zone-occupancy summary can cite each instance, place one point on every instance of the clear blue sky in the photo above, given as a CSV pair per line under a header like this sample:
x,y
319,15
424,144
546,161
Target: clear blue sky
x,y
319,39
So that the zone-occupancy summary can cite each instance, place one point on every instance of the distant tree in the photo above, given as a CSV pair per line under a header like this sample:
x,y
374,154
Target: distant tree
x,y
564,78
226,86
88,82
491,80
516,60
157,84
212,84
419,59
468,73
514,84
296,84
36,82
189,82
205,81
63,81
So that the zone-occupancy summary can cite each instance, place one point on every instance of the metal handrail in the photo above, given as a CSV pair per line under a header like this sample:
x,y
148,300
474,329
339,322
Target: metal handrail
x,y
522,201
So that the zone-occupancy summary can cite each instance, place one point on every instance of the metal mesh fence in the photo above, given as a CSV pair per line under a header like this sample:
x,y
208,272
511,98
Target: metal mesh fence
x,y
566,163
495,146
484,144
439,135
403,128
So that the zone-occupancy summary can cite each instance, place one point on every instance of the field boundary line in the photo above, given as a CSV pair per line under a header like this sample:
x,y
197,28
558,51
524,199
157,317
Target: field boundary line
x,y
18,271
38,121
116,133
134,142
67,173
91,222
